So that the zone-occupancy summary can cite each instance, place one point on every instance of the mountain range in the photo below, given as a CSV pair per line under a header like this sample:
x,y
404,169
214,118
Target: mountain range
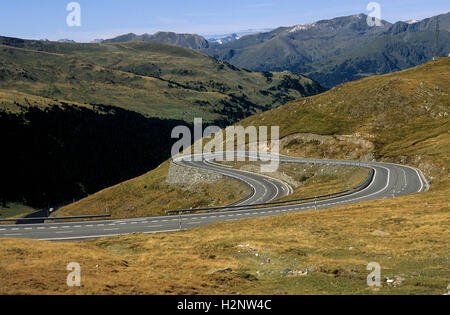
x,y
330,51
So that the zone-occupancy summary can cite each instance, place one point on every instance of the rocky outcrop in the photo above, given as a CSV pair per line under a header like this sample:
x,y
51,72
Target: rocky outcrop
x,y
187,176
347,147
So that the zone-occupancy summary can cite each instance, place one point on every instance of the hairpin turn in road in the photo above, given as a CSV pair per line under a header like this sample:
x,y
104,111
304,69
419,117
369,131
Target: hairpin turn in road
x,y
388,181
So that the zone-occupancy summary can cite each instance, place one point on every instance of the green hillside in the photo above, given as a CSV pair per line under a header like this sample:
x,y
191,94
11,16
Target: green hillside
x,y
153,79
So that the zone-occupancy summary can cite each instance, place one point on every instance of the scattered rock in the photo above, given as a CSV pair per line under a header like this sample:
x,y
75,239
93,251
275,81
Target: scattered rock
x,y
221,270
248,276
448,290
298,273
381,233
396,281
338,272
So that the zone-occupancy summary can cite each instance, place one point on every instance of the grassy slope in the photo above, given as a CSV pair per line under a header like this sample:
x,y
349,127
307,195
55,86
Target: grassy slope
x,y
150,195
153,79
15,210
11,101
333,245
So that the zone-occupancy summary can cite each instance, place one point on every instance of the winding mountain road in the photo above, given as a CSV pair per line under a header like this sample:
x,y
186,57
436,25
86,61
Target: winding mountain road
x,y
389,180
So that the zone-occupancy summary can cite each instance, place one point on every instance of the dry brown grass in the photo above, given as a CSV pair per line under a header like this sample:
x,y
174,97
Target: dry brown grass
x,y
335,245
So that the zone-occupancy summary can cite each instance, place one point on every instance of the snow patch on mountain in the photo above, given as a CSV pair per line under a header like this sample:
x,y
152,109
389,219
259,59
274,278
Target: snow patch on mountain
x,y
303,27
412,21
225,40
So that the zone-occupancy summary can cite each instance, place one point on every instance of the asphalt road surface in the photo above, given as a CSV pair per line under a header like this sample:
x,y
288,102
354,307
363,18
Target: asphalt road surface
x,y
389,181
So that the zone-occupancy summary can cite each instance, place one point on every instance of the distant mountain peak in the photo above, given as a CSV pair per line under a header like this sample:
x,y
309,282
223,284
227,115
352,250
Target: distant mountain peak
x,y
359,16
66,40
333,24
192,41
225,39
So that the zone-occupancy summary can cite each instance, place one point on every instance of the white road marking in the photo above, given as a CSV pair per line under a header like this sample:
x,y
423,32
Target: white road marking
x,y
98,236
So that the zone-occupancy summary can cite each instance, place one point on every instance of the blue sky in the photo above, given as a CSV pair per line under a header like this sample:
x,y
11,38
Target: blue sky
x,y
108,18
